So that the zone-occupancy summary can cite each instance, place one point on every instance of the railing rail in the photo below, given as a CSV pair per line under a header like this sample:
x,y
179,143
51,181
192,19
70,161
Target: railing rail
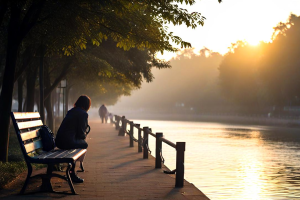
x,y
168,142
143,145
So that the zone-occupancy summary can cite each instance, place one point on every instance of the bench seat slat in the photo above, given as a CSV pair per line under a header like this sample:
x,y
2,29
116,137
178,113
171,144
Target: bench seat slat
x,y
29,124
33,146
49,154
76,155
57,154
26,115
30,135
54,154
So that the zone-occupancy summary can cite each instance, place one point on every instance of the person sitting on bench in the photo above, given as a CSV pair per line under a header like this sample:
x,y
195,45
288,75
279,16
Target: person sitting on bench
x,y
72,131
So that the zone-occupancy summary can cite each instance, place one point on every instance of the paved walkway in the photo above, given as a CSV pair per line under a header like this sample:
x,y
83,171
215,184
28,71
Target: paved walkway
x,y
113,170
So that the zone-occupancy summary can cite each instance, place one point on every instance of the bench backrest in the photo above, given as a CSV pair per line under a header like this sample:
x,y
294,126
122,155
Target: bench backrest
x,y
27,126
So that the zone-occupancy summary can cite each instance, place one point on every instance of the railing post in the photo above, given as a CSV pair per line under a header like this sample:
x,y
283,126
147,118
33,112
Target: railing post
x,y
145,152
140,149
122,130
180,148
111,118
131,134
117,122
158,149
124,123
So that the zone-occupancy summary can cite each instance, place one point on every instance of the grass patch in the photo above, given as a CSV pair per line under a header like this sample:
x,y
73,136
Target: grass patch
x,y
16,163
10,170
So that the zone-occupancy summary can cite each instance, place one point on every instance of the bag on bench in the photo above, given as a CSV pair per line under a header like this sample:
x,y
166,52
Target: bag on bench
x,y
47,138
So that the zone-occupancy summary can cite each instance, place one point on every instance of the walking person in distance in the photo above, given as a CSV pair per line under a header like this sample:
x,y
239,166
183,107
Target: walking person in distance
x,y
103,113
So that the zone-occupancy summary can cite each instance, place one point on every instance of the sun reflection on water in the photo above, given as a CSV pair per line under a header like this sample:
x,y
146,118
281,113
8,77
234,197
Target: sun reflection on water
x,y
250,174
235,162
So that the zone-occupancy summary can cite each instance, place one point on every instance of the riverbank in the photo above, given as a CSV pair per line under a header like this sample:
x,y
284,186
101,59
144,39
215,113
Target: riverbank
x,y
220,118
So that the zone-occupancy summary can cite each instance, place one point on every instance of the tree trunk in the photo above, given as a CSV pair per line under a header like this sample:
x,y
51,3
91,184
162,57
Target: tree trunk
x,y
58,103
15,36
47,101
62,75
3,9
24,105
30,79
67,99
20,93
49,110
26,59
41,79
37,100
8,83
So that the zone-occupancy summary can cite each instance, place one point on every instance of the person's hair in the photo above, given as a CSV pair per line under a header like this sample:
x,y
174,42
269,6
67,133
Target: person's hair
x,y
83,102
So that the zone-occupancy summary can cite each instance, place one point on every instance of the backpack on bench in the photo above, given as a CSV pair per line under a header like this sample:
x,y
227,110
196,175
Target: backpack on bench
x,y
47,136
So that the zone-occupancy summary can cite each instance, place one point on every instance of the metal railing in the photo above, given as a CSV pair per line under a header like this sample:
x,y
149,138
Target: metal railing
x,y
143,146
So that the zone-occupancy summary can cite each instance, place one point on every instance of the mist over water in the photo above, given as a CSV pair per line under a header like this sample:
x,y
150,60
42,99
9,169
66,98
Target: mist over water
x,y
190,85
228,161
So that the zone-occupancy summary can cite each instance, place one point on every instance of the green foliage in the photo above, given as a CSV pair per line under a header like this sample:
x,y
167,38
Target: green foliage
x,y
67,27
106,78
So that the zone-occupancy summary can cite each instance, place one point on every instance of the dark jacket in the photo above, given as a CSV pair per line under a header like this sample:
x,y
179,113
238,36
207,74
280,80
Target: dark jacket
x,y
71,133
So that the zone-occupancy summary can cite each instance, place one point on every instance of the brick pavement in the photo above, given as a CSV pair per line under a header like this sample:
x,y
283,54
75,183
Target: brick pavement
x,y
113,170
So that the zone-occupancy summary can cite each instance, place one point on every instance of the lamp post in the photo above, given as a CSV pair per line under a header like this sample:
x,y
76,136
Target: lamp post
x,y
63,85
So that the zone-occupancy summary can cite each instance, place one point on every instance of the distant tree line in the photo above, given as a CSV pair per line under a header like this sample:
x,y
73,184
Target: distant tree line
x,y
248,79
190,86
267,75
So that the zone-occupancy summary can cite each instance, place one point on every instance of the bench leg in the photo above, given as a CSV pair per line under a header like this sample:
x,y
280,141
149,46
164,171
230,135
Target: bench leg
x,y
46,180
81,163
81,166
69,178
27,178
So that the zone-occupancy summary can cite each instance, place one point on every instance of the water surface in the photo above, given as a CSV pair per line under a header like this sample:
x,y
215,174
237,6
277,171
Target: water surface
x,y
233,161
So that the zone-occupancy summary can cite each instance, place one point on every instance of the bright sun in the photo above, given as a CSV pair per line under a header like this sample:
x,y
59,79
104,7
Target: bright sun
x,y
253,42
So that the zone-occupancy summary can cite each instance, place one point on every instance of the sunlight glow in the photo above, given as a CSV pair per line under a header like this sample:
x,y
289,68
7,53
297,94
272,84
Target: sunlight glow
x,y
230,21
253,42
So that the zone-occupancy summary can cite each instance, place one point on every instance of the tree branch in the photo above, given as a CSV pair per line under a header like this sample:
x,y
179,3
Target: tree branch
x,y
31,18
58,79
27,59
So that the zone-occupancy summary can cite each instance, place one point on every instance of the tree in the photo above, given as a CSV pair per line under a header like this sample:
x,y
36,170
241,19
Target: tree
x,y
129,23
267,74
280,63
239,78
107,77
16,32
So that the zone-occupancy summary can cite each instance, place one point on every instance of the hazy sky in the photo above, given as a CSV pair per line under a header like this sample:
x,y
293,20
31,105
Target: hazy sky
x,y
232,20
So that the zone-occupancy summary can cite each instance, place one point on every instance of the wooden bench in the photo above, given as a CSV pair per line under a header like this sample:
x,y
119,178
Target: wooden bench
x,y
26,125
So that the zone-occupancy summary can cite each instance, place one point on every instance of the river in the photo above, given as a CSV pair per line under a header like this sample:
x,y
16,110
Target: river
x,y
227,161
